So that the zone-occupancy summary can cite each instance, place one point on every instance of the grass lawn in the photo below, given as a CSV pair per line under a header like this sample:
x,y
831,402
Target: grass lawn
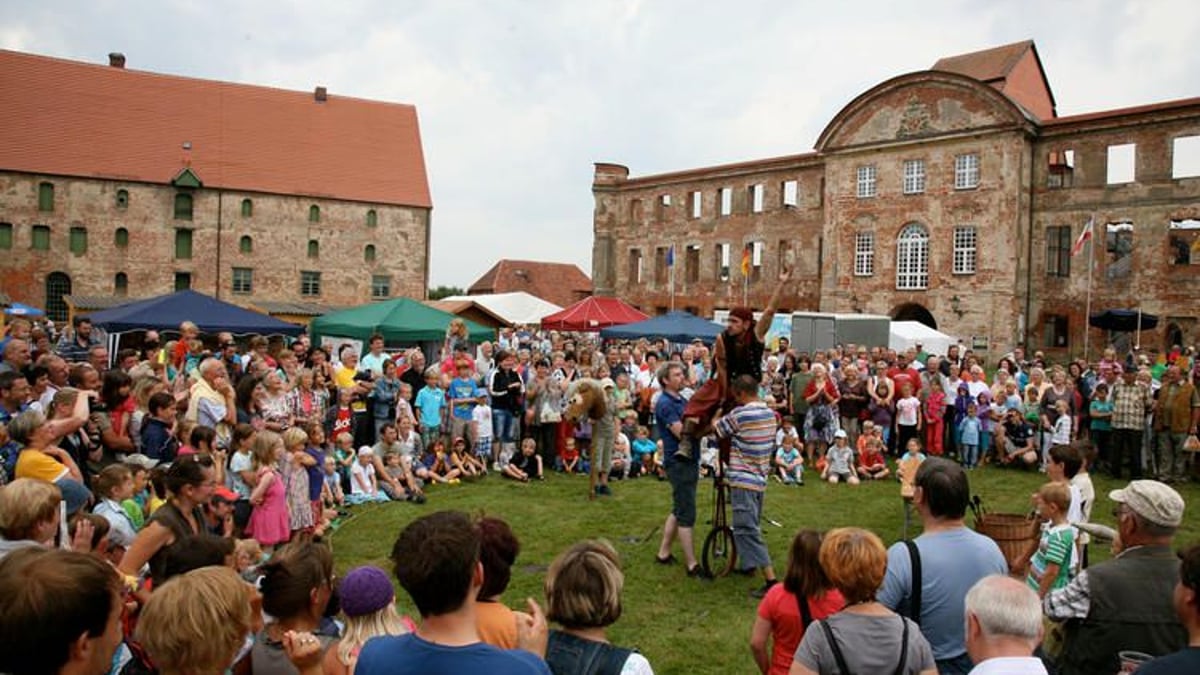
x,y
682,625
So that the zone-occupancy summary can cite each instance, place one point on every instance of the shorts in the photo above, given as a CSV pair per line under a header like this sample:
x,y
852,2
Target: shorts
x,y
483,448
683,477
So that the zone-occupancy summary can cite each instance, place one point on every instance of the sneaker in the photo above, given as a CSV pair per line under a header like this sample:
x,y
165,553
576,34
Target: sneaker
x,y
603,490
669,560
418,499
698,572
762,590
454,481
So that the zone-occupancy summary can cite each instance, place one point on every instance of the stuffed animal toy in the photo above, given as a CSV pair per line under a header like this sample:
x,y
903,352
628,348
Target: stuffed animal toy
x,y
586,397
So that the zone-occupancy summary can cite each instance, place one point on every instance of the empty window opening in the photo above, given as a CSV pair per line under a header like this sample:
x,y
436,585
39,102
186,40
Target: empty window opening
x,y
660,265
1061,169
757,194
662,206
369,253
1183,239
635,266
121,284
722,260
725,198
791,193
1054,332
1122,160
691,264
1118,247
696,204
183,281
1185,157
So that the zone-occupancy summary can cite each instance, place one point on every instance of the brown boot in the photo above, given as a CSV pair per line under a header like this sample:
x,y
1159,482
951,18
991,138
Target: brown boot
x,y
686,442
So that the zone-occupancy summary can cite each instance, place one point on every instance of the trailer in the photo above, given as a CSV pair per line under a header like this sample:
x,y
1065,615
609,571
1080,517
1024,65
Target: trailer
x,y
813,331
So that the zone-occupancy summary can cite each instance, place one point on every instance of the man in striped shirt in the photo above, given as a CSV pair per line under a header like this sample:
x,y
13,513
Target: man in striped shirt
x,y
751,428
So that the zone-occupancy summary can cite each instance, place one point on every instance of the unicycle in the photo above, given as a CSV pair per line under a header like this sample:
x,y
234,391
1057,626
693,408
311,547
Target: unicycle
x,y
719,554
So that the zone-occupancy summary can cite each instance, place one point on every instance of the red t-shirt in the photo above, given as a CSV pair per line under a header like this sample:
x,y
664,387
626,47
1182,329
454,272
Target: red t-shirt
x,y
344,422
900,376
781,609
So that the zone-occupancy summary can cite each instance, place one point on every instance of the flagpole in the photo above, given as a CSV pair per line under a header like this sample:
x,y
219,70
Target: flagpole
x,y
1087,316
672,271
1137,330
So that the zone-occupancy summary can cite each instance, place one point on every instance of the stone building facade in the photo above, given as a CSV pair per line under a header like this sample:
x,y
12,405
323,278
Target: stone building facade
x,y
245,193
951,196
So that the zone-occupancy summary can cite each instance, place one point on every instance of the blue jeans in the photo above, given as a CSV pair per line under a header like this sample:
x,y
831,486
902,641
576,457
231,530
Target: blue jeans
x,y
504,424
970,455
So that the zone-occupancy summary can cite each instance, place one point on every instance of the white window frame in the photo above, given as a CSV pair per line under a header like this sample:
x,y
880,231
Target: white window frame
x,y
864,254
791,193
966,245
966,171
724,272
912,258
242,280
697,204
757,195
866,176
725,201
664,199
375,286
914,176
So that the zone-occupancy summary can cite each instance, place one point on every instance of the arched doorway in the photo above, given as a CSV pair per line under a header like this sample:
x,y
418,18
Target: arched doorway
x,y
1174,337
58,284
912,311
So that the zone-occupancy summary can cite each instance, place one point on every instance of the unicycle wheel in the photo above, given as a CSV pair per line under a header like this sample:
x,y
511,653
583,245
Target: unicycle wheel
x,y
719,554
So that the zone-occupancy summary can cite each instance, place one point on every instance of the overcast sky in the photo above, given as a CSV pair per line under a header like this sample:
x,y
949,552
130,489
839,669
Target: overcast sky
x,y
517,99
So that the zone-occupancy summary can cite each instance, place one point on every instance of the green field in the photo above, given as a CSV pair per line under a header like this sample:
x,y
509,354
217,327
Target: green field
x,y
682,625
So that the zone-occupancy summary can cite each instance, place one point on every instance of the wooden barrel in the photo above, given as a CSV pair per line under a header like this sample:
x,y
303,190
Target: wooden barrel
x,y
1012,532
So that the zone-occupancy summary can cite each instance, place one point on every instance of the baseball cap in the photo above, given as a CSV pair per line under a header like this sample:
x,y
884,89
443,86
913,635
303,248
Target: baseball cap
x,y
607,383
224,494
1152,500
840,433
365,450
141,460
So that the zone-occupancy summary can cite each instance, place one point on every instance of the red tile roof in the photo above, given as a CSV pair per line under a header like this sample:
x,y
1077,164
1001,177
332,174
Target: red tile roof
x,y
560,283
987,65
1014,69
79,119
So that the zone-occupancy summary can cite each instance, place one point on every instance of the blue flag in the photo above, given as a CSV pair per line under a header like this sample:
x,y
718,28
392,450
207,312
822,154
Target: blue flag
x,y
671,256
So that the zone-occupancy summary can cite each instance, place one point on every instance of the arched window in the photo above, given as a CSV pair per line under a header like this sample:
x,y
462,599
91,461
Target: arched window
x,y
122,198
369,253
246,244
183,206
247,208
121,284
372,218
57,285
314,248
912,258
314,214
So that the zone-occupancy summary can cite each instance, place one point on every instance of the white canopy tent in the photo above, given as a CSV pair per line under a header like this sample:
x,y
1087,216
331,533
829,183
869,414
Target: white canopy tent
x,y
516,308
905,334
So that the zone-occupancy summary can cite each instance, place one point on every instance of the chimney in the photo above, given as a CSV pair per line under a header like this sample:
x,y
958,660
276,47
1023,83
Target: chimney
x,y
116,59
320,94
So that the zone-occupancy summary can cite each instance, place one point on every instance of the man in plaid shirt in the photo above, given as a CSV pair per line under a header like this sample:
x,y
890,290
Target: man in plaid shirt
x,y
1131,401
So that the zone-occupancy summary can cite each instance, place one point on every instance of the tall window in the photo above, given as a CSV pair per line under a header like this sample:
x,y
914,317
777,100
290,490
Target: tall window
x,y
696,204
964,249
314,214
183,206
864,254
725,200
1118,247
246,244
381,286
1058,251
372,218
121,284
791,192
243,280
369,253
247,208
122,199
723,262
6,236
45,196
635,266
78,240
691,264
310,283
1055,331
660,266
58,284
183,244
314,248
757,193
914,176
121,238
866,181
966,172
912,258
40,240
756,261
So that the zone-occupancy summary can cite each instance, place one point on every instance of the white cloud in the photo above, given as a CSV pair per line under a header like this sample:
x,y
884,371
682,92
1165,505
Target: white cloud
x,y
517,99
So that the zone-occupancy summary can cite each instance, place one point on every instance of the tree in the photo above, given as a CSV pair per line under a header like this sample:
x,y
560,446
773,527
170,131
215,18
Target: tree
x,y
444,292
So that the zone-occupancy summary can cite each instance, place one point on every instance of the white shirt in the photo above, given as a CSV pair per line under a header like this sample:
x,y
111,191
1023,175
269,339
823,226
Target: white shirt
x,y
1010,665
360,478
482,415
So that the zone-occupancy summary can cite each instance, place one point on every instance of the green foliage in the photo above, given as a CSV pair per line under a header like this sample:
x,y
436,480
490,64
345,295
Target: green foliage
x,y
682,625
439,292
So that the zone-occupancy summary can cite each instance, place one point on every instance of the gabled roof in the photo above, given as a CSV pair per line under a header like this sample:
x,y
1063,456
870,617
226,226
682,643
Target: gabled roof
x,y
275,307
517,308
559,283
1015,69
78,119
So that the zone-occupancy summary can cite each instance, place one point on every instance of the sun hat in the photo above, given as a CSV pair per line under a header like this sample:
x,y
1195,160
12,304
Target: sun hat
x,y
840,433
365,450
365,590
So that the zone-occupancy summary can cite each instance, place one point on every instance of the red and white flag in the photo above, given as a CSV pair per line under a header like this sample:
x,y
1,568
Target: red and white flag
x,y
1084,236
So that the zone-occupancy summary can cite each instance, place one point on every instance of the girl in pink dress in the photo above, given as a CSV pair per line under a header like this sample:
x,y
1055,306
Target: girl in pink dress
x,y
269,517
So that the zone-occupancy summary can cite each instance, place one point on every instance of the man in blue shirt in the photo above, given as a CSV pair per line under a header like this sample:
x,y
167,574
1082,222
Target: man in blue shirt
x,y
437,562
683,473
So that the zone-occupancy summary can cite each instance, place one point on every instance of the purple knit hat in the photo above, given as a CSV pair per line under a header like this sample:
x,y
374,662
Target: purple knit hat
x,y
365,590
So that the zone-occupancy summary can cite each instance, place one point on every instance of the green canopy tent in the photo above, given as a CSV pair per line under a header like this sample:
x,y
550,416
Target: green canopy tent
x,y
401,321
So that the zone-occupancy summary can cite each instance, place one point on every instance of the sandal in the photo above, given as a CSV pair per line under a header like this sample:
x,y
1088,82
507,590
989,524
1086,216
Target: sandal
x,y
669,560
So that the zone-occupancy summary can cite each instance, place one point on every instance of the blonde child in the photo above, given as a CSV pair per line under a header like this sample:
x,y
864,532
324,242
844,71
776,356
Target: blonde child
x,y
868,431
906,468
839,458
301,516
1050,565
970,433
343,454
332,494
364,485
1061,434
247,556
789,463
527,465
268,522
369,602
871,465
642,453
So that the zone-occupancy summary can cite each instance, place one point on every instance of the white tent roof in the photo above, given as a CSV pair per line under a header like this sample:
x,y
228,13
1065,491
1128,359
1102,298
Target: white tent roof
x,y
905,334
518,307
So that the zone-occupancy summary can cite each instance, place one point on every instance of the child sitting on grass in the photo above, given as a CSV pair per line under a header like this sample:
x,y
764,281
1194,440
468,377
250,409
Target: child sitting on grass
x,y
527,465
364,484
871,465
1050,564
437,463
643,454
393,464
839,459
467,464
332,494
568,460
620,457
789,463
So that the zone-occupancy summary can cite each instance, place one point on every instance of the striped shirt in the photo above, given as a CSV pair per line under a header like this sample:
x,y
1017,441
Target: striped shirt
x,y
751,428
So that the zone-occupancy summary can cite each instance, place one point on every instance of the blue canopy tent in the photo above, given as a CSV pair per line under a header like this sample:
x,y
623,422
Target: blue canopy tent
x,y
166,312
677,326
20,309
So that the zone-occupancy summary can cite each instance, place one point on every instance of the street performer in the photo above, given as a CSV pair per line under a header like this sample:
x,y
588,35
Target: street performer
x,y
738,351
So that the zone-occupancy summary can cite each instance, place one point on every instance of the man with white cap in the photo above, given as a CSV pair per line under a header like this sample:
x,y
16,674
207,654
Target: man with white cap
x,y
1125,604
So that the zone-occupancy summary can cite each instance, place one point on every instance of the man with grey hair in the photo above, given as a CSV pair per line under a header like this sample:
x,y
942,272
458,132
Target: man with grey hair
x,y
1126,603
211,400
1004,626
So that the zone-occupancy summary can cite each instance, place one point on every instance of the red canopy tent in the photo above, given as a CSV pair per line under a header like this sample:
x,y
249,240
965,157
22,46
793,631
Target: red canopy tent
x,y
592,314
